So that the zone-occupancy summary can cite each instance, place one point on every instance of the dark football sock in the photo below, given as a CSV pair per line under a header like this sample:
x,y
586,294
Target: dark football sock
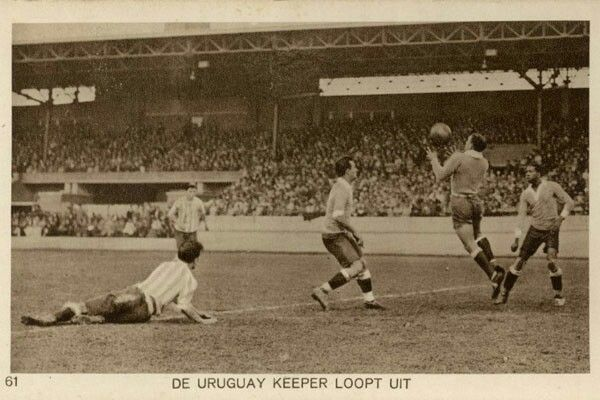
x,y
484,263
338,280
510,280
555,277
365,285
556,282
485,245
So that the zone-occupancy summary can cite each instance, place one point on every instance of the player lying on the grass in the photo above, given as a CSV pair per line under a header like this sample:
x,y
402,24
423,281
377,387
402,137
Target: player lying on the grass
x,y
171,283
540,199
342,240
466,171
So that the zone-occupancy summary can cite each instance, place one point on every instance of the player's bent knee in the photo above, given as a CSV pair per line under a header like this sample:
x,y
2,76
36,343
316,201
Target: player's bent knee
x,y
364,263
475,251
516,269
471,247
557,272
364,274
517,266
354,269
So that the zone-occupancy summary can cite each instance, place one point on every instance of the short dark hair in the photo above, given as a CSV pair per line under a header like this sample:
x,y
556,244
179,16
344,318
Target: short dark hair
x,y
342,165
478,142
538,168
191,186
189,251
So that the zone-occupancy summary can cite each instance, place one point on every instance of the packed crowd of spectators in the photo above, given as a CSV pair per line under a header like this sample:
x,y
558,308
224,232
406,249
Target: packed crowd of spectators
x,y
98,146
395,178
145,220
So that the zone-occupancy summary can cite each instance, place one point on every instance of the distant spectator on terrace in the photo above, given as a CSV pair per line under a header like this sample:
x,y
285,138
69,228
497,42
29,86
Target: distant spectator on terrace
x,y
129,229
156,228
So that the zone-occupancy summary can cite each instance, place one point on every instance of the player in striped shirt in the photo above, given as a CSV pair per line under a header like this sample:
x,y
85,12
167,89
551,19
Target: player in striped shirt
x,y
466,171
172,283
342,240
186,214
539,198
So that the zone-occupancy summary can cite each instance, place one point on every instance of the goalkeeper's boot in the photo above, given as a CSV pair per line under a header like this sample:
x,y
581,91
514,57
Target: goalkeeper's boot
x,y
320,297
502,298
42,320
373,305
496,279
559,300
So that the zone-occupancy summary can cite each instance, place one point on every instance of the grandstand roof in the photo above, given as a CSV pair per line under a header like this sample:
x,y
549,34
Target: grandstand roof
x,y
85,32
303,50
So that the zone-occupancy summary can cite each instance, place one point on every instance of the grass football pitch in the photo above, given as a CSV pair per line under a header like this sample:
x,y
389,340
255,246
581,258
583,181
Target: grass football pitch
x,y
439,317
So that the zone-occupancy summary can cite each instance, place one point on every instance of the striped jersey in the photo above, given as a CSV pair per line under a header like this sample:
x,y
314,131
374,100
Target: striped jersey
x,y
339,203
467,171
171,281
187,214
541,203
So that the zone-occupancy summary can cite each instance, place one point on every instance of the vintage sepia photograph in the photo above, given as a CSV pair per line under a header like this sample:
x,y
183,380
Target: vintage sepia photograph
x,y
232,199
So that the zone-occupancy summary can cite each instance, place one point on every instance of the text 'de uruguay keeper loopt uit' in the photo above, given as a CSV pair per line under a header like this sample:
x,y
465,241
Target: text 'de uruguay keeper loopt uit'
x,y
290,382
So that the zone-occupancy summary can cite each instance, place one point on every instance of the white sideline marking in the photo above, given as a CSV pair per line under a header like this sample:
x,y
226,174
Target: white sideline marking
x,y
349,299
25,332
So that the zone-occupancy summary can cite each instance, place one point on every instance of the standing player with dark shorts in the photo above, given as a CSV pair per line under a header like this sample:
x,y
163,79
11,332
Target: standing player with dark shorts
x,y
540,199
466,171
343,241
186,214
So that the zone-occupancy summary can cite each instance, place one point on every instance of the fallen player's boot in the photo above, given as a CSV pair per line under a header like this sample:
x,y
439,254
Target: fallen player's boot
x,y
41,320
373,305
321,297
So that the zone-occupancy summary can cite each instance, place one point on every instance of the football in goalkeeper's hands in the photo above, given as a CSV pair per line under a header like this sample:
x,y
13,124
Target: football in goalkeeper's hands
x,y
439,134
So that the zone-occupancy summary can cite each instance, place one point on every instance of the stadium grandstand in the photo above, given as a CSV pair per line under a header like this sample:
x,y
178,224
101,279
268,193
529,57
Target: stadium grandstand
x,y
108,131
